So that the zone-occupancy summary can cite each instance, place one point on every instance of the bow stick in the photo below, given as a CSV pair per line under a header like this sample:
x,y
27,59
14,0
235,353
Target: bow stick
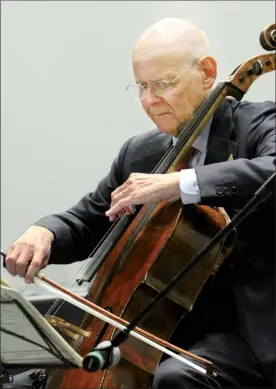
x,y
100,313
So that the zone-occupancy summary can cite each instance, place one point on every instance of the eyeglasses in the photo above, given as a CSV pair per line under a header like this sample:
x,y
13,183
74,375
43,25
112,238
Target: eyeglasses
x,y
159,87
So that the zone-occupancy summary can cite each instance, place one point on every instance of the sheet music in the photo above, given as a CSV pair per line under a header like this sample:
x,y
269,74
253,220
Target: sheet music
x,y
18,351
15,349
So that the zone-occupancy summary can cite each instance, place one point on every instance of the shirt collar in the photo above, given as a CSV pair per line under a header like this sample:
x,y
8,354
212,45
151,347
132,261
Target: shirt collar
x,y
201,141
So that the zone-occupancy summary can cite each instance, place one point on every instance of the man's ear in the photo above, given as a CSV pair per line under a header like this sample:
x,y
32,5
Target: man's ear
x,y
208,67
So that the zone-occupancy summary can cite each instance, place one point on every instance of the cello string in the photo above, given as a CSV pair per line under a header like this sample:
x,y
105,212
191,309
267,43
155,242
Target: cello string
x,y
117,318
189,130
85,266
164,163
114,323
128,246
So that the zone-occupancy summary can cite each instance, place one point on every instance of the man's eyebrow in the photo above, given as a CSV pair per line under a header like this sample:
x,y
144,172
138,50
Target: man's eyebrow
x,y
166,76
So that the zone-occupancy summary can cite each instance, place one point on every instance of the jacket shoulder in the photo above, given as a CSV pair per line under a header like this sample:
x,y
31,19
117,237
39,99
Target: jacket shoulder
x,y
250,109
147,143
150,138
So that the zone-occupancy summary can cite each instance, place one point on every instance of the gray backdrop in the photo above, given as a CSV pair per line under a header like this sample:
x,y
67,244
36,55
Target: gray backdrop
x,y
65,111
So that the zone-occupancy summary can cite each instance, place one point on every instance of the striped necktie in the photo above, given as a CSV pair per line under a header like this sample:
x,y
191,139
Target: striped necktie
x,y
184,163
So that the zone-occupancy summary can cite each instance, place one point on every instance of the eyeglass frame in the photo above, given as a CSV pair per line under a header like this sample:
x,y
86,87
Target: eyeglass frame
x,y
169,83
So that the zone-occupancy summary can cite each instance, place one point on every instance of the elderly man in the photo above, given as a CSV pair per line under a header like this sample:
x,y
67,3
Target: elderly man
x,y
174,74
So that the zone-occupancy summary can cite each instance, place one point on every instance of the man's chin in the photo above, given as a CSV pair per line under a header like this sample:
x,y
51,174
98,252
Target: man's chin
x,y
168,128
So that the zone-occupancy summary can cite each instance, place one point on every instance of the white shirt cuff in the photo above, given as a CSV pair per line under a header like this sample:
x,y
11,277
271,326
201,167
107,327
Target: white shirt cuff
x,y
189,186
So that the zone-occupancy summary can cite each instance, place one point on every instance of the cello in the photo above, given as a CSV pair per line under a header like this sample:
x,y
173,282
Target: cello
x,y
129,265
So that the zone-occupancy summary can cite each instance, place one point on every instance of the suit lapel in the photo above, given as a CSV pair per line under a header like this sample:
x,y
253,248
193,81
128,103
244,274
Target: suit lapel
x,y
222,144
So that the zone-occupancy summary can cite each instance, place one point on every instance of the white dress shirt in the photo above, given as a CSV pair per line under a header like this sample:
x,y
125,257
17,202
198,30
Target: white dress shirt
x,y
189,188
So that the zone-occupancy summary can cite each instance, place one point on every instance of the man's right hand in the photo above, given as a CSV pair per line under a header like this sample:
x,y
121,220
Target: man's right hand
x,y
30,252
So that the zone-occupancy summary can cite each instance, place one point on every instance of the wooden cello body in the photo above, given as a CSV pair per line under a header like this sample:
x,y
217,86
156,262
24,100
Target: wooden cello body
x,y
160,240
172,237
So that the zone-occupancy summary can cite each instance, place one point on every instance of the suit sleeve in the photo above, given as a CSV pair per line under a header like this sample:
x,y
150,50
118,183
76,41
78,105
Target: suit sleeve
x,y
233,183
78,230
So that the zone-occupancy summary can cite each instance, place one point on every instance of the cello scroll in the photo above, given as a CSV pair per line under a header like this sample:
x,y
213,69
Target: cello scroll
x,y
268,37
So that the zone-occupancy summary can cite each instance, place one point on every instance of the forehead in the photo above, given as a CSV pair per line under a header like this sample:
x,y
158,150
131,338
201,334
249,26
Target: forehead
x,y
155,63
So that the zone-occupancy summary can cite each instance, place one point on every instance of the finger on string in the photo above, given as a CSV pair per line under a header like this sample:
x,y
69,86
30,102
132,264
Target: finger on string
x,y
113,218
116,199
121,204
129,210
126,210
116,216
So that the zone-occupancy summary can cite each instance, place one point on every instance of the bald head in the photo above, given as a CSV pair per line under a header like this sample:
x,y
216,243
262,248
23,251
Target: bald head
x,y
173,35
171,83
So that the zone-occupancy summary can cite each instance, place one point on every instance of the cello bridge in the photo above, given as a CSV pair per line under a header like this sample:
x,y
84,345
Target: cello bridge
x,y
67,328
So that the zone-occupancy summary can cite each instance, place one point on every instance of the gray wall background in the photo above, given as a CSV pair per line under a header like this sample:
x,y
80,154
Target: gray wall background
x,y
65,111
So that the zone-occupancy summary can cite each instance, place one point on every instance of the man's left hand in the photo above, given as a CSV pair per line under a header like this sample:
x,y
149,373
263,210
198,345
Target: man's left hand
x,y
143,188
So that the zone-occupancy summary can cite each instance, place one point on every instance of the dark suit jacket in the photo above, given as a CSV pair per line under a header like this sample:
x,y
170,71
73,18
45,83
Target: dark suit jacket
x,y
246,130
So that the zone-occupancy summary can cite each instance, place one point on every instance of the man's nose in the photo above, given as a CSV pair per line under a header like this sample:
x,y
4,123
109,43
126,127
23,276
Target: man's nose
x,y
150,95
